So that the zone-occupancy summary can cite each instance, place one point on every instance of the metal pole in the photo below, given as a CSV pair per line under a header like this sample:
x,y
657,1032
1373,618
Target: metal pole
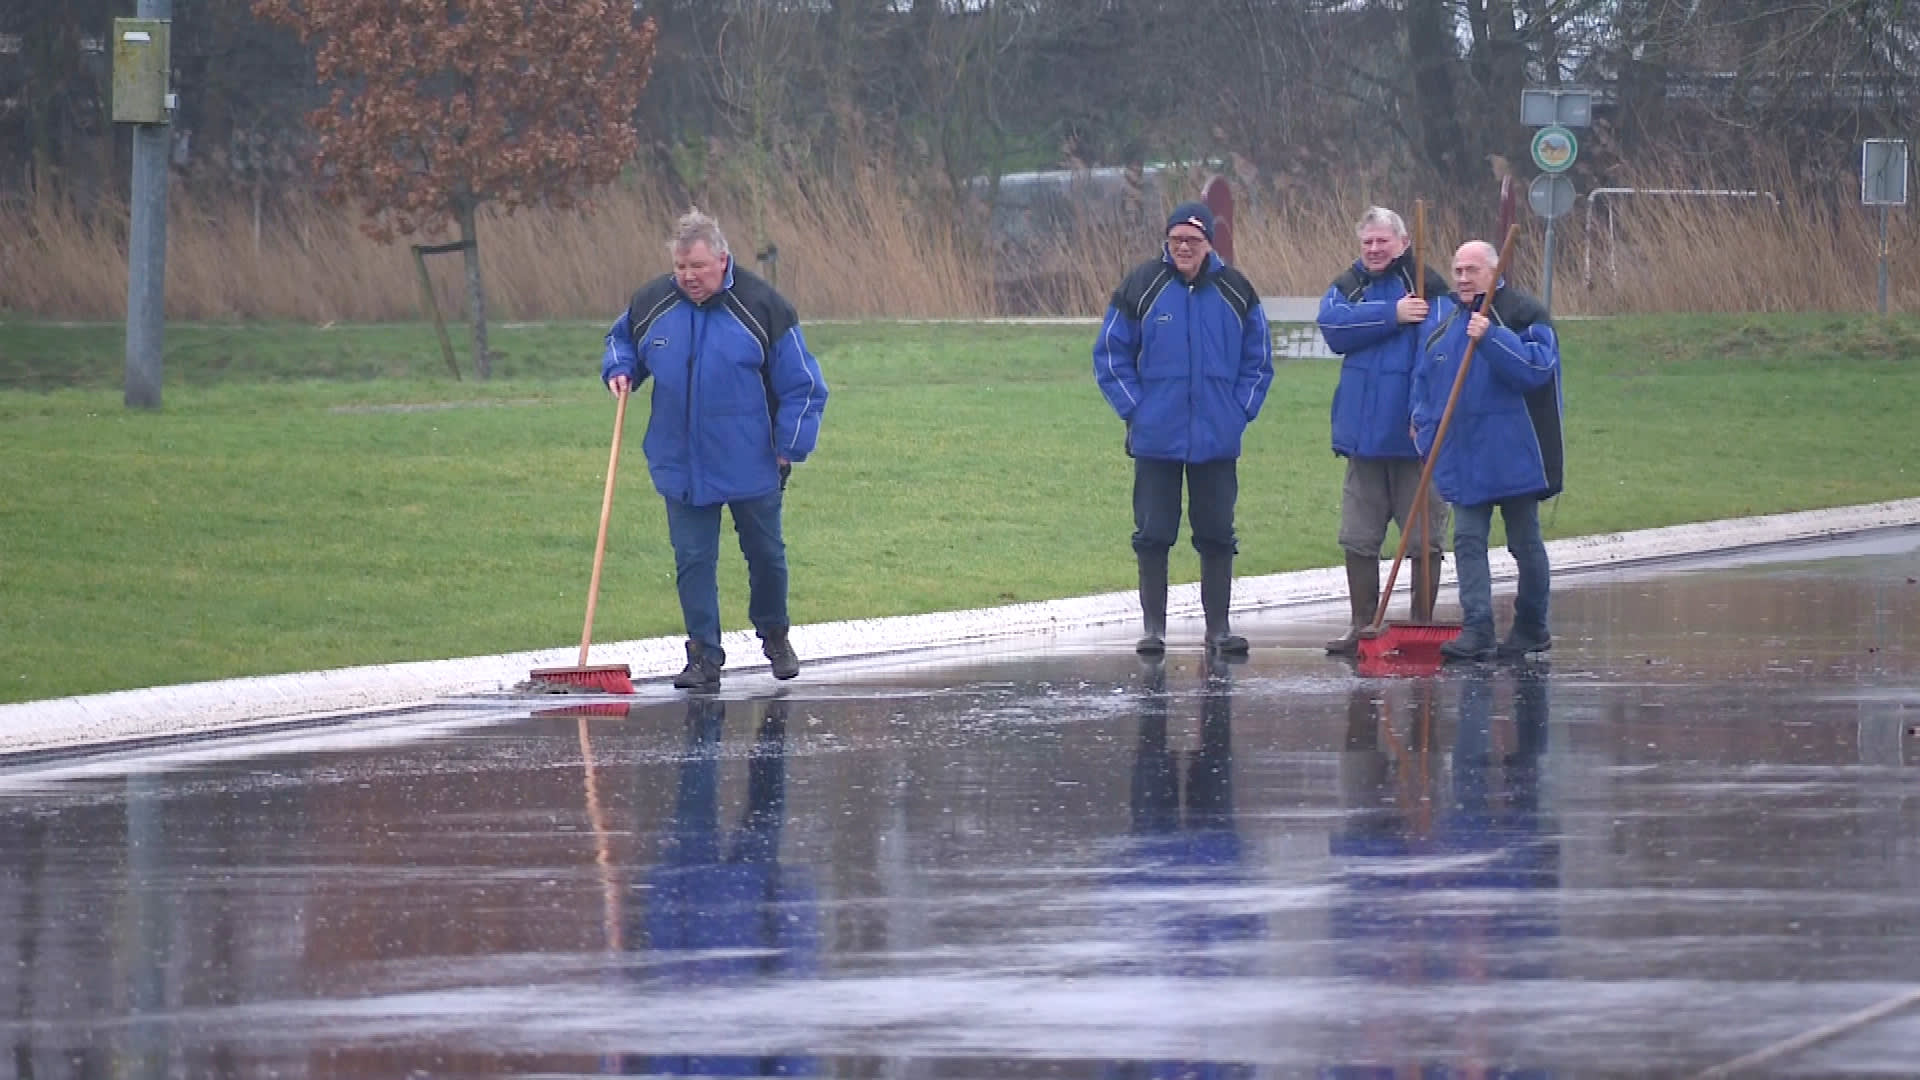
x,y
147,250
1883,258
1546,271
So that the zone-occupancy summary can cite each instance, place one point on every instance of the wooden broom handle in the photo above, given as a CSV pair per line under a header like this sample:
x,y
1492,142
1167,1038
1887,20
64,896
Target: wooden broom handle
x,y
1420,293
1419,242
600,542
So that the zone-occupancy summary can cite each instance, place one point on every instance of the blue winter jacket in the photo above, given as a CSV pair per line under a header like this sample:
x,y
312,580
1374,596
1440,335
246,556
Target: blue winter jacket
x,y
1504,439
1186,365
734,387
1358,319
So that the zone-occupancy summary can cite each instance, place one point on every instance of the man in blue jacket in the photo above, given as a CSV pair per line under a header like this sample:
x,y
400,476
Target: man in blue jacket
x,y
737,400
1371,315
1185,358
1502,447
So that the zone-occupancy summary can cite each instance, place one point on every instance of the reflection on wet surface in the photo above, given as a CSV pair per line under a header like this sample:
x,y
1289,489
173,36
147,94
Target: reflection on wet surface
x,y
1691,836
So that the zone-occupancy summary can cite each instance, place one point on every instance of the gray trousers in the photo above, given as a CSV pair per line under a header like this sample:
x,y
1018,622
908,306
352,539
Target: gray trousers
x,y
1380,490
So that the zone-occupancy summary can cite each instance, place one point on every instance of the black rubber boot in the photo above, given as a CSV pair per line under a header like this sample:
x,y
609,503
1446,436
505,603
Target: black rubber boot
x,y
1524,639
786,662
1425,587
1216,597
1363,596
703,667
1474,643
1153,604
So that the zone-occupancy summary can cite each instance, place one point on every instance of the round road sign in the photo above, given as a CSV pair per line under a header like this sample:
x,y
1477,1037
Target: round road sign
x,y
1554,149
1550,195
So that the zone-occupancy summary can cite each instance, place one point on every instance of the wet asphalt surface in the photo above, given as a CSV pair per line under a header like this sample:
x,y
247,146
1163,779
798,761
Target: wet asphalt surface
x,y
1691,836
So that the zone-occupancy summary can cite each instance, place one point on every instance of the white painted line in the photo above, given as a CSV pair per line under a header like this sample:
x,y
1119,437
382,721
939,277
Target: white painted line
x,y
235,704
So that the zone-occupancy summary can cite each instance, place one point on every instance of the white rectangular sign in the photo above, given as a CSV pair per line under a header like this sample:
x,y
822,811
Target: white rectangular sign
x,y
1883,172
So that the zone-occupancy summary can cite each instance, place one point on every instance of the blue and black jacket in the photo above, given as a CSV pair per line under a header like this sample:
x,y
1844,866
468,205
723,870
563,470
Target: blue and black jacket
x,y
1186,364
1504,439
1372,405
734,388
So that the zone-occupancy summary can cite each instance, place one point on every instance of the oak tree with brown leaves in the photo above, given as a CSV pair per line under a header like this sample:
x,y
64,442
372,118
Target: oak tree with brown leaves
x,y
438,107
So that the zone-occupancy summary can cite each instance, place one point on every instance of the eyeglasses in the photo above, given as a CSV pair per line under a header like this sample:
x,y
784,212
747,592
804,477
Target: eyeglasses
x,y
1181,243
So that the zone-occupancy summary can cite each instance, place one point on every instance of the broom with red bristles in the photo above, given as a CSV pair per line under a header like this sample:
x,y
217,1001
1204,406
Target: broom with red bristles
x,y
1420,642
605,678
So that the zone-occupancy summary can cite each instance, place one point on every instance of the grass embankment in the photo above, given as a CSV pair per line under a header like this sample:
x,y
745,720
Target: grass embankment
x,y
289,510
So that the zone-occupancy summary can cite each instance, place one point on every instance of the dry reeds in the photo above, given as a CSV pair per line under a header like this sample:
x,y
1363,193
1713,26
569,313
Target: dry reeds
x,y
1772,243
873,244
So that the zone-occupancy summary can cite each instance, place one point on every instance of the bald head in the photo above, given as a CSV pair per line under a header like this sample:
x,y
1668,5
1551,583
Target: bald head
x,y
1473,266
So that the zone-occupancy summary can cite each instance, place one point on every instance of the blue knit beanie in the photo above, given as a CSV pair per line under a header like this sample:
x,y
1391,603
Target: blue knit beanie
x,y
1195,214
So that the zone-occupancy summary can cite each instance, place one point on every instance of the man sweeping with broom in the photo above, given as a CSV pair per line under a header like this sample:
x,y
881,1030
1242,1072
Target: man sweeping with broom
x,y
737,400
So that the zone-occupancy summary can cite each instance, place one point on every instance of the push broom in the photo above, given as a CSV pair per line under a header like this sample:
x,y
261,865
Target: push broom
x,y
606,678
1418,643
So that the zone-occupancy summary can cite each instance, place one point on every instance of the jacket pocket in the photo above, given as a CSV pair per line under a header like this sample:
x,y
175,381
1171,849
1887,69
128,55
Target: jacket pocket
x,y
1153,430
736,457
1222,421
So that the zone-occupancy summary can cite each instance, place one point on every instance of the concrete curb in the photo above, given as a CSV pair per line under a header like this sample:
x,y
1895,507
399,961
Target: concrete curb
x,y
239,704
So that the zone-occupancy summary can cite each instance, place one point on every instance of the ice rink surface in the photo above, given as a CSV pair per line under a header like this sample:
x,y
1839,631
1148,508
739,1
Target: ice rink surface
x,y
1688,841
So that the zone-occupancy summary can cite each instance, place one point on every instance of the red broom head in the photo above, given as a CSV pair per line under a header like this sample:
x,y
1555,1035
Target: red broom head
x,y
1436,634
601,678
1417,644
1374,644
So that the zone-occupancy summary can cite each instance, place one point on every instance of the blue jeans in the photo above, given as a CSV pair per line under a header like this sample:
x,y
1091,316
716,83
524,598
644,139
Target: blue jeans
x,y
1471,526
695,533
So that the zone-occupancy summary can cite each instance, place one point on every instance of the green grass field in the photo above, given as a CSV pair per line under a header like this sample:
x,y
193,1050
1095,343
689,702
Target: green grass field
x,y
320,497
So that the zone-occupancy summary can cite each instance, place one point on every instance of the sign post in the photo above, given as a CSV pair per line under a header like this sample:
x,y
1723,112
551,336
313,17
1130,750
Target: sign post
x,y
1883,183
1549,196
1556,112
143,98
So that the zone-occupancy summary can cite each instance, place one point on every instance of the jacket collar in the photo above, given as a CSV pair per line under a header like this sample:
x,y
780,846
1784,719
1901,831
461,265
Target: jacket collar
x,y
1401,267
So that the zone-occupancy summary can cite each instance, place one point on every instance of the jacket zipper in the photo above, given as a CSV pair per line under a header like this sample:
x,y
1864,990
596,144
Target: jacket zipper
x,y
1193,410
693,443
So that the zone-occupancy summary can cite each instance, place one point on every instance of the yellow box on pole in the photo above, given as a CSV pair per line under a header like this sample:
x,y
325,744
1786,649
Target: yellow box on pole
x,y
141,63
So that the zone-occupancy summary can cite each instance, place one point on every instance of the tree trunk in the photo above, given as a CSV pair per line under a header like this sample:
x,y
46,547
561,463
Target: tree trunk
x,y
1432,61
1545,43
1506,77
1647,46
476,293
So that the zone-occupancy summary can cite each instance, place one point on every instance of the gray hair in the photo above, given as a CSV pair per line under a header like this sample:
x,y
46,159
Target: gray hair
x,y
1380,215
697,227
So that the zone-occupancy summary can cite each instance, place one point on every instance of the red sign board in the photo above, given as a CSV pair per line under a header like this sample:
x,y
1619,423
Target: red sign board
x,y
1219,199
